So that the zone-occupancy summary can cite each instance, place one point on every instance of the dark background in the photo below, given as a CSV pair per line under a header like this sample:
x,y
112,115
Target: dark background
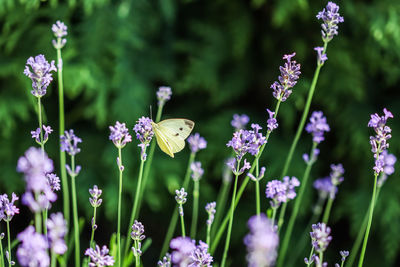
x,y
219,57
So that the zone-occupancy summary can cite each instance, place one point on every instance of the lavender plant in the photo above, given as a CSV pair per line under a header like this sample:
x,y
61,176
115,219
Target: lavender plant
x,y
57,229
197,173
210,209
7,212
181,199
99,258
95,201
335,179
138,236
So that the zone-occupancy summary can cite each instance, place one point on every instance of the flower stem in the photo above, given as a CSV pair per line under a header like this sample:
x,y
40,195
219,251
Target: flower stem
x,y
371,213
174,217
273,215
321,259
40,124
182,220
258,209
9,243
75,214
64,181
208,240
1,252
193,228
282,216
93,228
296,208
137,257
309,257
303,117
53,259
38,220
232,210
327,211
119,206
45,221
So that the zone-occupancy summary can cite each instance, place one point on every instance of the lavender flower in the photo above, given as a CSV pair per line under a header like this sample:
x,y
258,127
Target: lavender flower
x,y
210,208
244,141
33,249
232,164
95,199
182,249
317,126
119,135
324,187
181,199
163,95
40,75
7,207
60,30
331,18
262,242
53,181
240,121
313,158
196,142
99,258
379,141
200,256
388,167
69,143
260,175
137,234
320,237
36,134
336,174
321,55
166,261
290,73
34,163
276,191
318,262
144,133
227,170
272,123
57,227
290,184
197,171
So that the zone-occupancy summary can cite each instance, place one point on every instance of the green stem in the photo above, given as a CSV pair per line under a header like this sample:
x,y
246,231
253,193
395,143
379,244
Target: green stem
x,y
208,240
9,243
273,215
75,213
44,214
224,223
327,211
137,257
1,252
232,211
182,220
309,257
174,217
356,246
371,213
258,209
296,208
64,181
53,259
193,228
321,259
93,228
134,212
119,206
40,124
303,117
282,216
38,221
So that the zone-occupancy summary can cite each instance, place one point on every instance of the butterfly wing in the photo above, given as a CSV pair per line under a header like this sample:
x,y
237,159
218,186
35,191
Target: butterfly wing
x,y
162,141
179,127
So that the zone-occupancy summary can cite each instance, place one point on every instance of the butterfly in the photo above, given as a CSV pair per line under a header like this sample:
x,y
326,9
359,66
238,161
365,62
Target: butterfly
x,y
171,134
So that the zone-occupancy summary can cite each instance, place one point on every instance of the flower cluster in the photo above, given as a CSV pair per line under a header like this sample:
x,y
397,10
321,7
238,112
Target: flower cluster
x,y
36,134
344,254
320,237
197,171
322,57
119,135
69,143
379,141
325,187
99,258
331,17
196,142
40,75
181,199
163,95
210,208
35,165
138,236
60,30
54,181
144,133
262,242
232,164
313,158
57,227
244,141
166,261
33,248
281,191
7,207
95,194
388,166
186,253
290,73
317,126
240,121
260,175
272,123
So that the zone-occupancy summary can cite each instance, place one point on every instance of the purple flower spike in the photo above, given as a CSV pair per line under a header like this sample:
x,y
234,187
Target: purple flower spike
x,y
291,184
57,227
314,157
7,207
144,133
276,191
163,95
232,163
182,248
322,57
320,237
137,233
200,256
36,134
331,17
99,258
260,175
325,187
53,181
196,142
69,143
60,30
290,73
240,121
262,242
197,171
33,249
210,208
40,75
244,141
119,135
166,261
272,123
181,196
95,199
317,126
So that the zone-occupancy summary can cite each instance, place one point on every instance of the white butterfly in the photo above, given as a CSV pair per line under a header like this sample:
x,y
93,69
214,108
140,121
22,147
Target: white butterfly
x,y
171,134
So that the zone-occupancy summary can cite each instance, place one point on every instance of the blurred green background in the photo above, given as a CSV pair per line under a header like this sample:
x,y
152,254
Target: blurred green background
x,y
219,57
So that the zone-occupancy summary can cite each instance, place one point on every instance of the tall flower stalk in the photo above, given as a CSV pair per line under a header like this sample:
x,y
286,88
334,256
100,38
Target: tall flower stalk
x,y
7,212
95,201
335,179
379,144
210,209
138,236
1,249
60,31
69,143
181,199
120,137
197,173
